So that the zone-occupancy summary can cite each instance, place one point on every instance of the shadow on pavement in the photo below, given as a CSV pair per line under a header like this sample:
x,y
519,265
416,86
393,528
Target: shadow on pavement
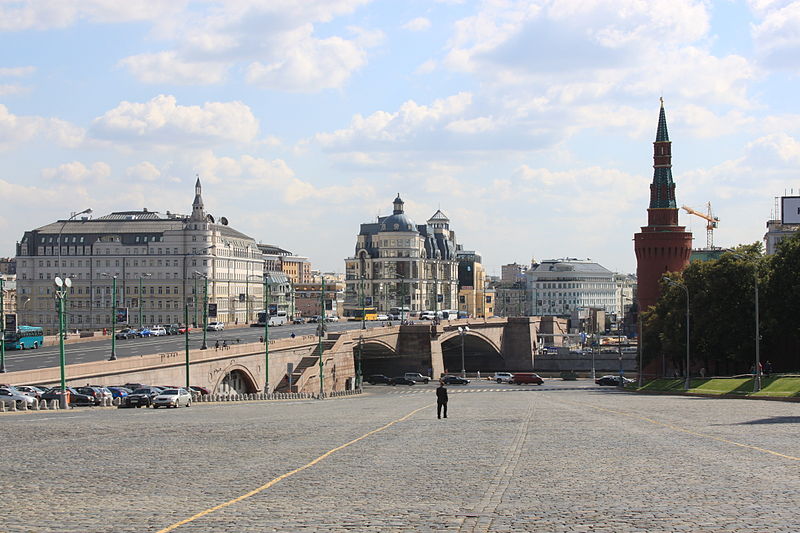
x,y
773,420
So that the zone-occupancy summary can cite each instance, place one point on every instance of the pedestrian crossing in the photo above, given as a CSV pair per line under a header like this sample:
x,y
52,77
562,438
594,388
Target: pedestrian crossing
x,y
452,390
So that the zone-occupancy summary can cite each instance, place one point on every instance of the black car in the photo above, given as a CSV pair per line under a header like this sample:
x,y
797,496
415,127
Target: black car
x,y
126,333
375,379
454,380
75,397
401,380
142,397
612,381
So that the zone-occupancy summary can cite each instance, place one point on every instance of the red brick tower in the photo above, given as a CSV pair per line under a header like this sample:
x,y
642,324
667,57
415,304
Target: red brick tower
x,y
663,245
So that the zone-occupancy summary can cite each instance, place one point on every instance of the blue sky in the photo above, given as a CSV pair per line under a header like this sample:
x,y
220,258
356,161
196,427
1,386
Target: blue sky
x,y
529,123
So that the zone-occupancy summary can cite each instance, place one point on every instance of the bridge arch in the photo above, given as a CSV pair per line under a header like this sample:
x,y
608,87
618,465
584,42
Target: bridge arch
x,y
377,357
481,353
238,379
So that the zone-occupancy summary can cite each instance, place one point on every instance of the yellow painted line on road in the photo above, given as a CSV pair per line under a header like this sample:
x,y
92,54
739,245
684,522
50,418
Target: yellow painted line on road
x,y
688,431
265,486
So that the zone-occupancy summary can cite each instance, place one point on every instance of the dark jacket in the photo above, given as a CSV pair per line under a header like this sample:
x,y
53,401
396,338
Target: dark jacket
x,y
441,394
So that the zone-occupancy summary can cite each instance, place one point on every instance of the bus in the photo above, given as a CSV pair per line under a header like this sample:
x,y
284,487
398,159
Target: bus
x,y
368,313
24,337
278,319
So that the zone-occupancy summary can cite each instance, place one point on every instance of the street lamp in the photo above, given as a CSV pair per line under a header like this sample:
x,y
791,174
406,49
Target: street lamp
x,y
2,328
320,333
674,283
58,241
265,280
205,308
113,314
62,286
463,331
141,299
757,369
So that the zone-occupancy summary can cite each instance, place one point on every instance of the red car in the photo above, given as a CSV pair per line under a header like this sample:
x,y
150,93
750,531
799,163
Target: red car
x,y
521,378
184,329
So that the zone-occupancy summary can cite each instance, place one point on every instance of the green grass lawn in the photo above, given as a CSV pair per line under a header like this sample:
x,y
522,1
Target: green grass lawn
x,y
783,387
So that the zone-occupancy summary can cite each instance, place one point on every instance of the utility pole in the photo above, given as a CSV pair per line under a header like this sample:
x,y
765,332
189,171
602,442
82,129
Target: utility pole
x,y
321,331
2,328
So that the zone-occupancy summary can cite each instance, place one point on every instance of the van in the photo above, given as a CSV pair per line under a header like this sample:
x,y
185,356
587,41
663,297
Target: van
x,y
522,378
427,315
503,377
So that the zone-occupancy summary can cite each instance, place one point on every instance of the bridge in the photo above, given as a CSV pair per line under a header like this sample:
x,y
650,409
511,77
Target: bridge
x,y
488,345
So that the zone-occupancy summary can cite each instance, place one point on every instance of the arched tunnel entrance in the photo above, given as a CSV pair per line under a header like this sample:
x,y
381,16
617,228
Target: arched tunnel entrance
x,y
479,354
377,358
236,382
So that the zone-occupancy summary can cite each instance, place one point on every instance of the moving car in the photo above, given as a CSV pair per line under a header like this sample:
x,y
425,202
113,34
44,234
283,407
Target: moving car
x,y
612,380
522,378
298,320
454,380
173,398
143,332
416,376
142,397
503,377
158,331
382,317
184,329
374,379
401,380
126,333
215,326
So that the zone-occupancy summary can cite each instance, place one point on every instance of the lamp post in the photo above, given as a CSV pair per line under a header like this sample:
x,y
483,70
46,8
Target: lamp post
x,y
265,280
141,299
359,375
674,283
2,328
62,286
58,241
463,331
113,314
757,368
186,337
204,346
320,332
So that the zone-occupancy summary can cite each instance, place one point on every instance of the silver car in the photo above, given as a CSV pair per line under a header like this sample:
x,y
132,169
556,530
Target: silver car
x,y
11,397
173,398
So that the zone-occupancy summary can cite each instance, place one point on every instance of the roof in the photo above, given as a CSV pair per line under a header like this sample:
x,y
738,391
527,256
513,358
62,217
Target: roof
x,y
273,249
569,264
661,132
438,215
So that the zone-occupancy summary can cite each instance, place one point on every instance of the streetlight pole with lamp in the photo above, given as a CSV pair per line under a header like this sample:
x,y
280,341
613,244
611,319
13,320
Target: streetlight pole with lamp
x,y
265,280
2,327
320,333
113,314
674,283
58,241
757,368
463,331
141,298
62,286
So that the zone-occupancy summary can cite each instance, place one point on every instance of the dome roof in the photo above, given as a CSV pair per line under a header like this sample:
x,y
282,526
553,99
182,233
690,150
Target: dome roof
x,y
398,222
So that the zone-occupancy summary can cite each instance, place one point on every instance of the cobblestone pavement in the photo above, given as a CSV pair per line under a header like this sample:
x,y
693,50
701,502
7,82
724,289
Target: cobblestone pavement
x,y
543,460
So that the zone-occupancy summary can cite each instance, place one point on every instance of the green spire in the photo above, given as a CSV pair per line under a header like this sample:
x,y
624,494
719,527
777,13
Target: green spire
x,y
661,132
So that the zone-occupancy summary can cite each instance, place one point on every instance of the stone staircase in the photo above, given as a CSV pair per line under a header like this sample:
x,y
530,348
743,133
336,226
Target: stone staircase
x,y
308,365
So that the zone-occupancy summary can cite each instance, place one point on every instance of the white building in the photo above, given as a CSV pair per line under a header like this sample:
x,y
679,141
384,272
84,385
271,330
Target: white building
x,y
169,256
558,286
401,264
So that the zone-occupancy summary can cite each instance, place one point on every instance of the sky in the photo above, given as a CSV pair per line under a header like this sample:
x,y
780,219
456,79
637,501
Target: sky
x,y
528,123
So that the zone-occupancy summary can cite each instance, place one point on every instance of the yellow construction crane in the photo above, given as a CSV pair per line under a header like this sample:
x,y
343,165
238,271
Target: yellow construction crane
x,y
711,222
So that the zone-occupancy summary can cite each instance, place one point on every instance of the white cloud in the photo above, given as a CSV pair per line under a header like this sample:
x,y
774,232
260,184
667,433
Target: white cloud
x,y
8,89
77,172
42,15
17,72
145,171
167,67
17,129
417,24
162,122
777,35
427,67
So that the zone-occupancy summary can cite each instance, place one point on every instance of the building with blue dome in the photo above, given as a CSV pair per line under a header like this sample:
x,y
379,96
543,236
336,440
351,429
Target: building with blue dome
x,y
398,263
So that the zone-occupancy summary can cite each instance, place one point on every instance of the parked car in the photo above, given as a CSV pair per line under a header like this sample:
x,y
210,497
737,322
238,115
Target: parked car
x,y
375,379
402,380
454,380
200,390
126,333
133,386
143,332
503,377
158,331
97,393
612,380
416,376
119,392
215,326
142,397
522,378
172,398
75,397
13,397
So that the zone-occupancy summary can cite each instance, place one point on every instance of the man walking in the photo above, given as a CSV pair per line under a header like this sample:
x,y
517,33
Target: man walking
x,y
441,400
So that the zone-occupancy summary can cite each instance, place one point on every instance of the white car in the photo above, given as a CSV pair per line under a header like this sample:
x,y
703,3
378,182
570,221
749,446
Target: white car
x,y
157,331
173,398
332,318
215,326
382,317
503,377
11,397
